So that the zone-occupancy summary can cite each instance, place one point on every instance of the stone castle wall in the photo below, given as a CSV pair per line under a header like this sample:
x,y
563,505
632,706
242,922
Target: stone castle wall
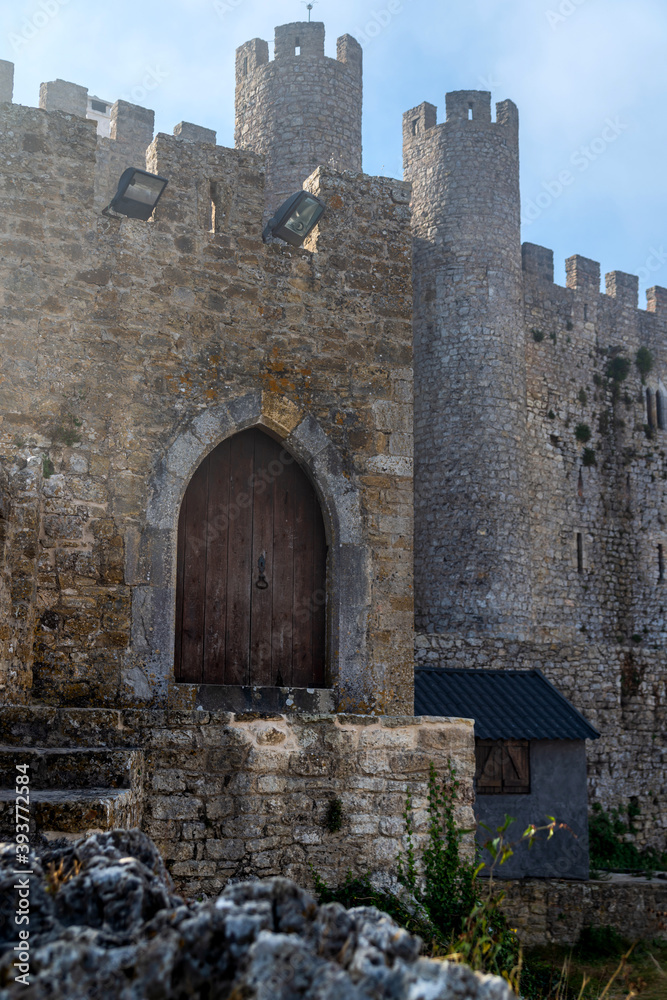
x,y
554,911
301,109
129,350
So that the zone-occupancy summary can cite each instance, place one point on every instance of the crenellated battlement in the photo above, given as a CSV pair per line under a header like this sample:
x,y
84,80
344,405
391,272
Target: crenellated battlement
x,y
583,276
468,109
298,40
131,128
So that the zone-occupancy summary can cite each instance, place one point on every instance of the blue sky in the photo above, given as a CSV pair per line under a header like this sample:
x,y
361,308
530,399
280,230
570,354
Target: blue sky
x,y
589,77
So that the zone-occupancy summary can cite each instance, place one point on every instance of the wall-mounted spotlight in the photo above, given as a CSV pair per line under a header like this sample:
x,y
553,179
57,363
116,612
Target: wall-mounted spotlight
x,y
295,218
137,195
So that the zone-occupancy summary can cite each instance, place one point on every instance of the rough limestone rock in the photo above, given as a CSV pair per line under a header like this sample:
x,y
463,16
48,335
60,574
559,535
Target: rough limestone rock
x,y
105,923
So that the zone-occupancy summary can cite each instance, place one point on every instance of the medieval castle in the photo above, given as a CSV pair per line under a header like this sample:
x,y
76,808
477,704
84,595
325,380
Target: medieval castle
x,y
213,594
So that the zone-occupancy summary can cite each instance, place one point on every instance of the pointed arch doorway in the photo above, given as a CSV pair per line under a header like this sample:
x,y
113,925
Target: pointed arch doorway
x,y
251,570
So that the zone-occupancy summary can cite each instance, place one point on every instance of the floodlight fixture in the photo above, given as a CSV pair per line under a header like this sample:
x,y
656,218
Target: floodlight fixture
x,y
137,195
295,218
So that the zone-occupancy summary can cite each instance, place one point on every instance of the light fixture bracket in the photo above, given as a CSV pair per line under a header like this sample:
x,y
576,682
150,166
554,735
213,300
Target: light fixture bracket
x,y
137,195
295,218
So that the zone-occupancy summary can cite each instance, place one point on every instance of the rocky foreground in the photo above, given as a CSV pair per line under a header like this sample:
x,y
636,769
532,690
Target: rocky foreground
x,y
105,923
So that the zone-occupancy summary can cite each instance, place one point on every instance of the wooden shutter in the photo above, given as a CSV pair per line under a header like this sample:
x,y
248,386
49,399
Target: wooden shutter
x,y
502,767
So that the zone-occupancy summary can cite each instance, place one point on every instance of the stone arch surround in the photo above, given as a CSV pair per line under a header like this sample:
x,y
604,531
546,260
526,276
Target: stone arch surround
x,y
149,672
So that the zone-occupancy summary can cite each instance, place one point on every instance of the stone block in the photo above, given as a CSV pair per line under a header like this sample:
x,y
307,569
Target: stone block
x,y
58,95
6,81
194,133
225,850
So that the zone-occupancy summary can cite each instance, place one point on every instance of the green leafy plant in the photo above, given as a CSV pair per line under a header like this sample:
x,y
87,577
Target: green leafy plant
x,y
448,894
644,361
553,336
48,468
582,432
538,335
610,848
583,397
358,890
333,818
67,432
551,415
618,369
588,458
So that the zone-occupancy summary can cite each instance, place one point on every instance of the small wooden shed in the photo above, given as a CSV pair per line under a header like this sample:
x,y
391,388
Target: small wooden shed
x,y
531,760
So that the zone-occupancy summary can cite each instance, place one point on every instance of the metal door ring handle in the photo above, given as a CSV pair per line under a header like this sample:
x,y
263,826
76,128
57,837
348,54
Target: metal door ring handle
x,y
262,583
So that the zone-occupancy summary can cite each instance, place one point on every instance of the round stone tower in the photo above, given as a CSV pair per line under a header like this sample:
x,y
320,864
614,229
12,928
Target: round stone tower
x,y
471,534
302,109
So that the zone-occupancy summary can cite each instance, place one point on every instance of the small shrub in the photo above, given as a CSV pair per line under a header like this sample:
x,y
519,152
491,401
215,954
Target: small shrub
x,y
569,325
538,335
583,397
551,415
618,369
553,336
67,432
588,458
604,422
450,890
609,848
358,890
48,468
597,379
600,942
582,432
333,819
644,361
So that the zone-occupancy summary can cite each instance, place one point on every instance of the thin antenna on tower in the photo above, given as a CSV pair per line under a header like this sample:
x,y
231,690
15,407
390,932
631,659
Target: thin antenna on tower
x,y
309,7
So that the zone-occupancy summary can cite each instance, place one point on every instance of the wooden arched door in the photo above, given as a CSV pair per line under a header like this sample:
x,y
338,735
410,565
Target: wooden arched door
x,y
251,576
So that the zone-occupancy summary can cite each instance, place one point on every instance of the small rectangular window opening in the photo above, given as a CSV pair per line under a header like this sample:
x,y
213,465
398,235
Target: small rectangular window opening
x,y
98,106
211,216
661,564
585,313
245,66
297,48
470,112
580,552
649,409
415,126
502,767
660,409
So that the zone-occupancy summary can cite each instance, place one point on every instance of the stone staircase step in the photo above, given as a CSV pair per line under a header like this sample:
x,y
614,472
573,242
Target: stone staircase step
x,y
73,767
70,811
